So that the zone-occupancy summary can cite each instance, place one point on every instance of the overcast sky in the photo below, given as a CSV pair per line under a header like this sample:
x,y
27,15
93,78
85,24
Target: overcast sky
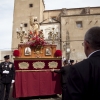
x,y
6,15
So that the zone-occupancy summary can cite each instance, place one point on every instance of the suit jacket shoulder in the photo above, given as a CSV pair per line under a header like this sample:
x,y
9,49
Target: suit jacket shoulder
x,y
84,79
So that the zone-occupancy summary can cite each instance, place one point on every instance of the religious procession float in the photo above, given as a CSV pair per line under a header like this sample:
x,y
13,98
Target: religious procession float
x,y
33,61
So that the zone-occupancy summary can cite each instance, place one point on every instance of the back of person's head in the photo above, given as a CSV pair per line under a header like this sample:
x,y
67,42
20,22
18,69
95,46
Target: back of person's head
x,y
92,36
71,62
65,62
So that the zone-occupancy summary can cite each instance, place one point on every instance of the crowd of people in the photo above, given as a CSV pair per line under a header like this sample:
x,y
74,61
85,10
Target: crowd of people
x,y
79,81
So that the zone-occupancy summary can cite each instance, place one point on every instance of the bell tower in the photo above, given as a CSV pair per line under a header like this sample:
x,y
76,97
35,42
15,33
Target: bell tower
x,y
23,9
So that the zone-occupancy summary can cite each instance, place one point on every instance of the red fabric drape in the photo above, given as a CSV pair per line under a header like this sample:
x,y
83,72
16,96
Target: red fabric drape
x,y
36,84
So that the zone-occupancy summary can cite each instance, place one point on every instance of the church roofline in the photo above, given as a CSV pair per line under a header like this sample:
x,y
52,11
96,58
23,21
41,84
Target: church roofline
x,y
70,8
82,15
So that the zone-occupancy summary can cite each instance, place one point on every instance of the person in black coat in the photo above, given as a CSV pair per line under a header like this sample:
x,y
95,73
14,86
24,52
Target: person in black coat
x,y
63,71
7,73
83,80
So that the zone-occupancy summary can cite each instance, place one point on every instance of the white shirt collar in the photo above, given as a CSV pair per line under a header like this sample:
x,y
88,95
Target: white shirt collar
x,y
92,53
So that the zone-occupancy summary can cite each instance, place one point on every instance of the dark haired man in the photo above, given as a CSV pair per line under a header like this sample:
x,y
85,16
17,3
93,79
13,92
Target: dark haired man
x,y
83,81
63,71
7,72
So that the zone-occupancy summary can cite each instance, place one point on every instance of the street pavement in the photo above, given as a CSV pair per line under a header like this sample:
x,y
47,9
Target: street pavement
x,y
54,97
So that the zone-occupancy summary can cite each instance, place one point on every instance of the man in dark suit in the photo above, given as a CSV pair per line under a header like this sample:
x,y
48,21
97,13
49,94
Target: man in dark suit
x,y
7,73
83,81
63,71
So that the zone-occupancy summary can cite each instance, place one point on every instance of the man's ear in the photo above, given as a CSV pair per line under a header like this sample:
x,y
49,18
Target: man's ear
x,y
87,45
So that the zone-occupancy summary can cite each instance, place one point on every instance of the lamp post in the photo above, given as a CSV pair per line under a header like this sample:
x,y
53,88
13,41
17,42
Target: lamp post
x,y
21,33
66,46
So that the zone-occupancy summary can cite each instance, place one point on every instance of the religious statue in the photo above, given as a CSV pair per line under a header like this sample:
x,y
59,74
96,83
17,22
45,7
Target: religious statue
x,y
34,26
34,32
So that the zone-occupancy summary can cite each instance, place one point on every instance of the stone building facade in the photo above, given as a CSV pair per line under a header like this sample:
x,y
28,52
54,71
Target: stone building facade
x,y
71,24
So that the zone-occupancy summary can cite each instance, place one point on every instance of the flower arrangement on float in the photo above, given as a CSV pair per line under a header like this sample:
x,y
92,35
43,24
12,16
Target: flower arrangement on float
x,y
58,53
36,42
